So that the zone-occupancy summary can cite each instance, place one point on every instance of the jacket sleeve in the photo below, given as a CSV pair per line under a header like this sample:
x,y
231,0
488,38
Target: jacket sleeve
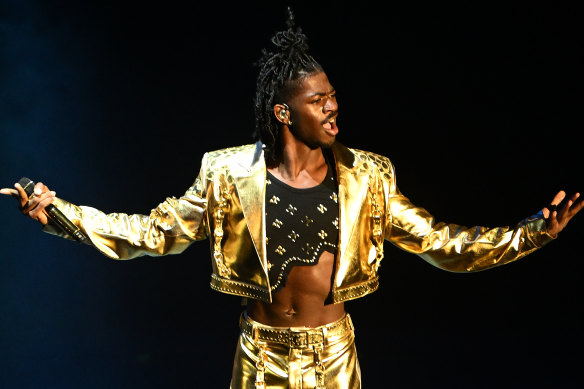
x,y
453,247
169,229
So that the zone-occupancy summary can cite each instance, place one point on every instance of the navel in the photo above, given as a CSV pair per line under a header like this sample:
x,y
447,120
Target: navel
x,y
290,312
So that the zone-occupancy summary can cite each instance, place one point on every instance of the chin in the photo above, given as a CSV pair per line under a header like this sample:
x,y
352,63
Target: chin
x,y
328,144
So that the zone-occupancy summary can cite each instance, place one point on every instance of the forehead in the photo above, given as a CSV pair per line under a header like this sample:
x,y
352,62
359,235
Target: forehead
x,y
317,83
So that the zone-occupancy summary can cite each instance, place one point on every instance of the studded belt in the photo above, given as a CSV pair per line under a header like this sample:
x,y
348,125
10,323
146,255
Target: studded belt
x,y
295,337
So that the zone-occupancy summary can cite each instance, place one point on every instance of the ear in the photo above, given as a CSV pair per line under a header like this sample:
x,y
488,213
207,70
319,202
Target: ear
x,y
282,113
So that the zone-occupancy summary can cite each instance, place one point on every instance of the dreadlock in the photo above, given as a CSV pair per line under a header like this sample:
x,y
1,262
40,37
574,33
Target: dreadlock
x,y
281,68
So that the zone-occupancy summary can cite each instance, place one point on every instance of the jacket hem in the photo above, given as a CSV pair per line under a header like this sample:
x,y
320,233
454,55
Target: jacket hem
x,y
239,288
356,291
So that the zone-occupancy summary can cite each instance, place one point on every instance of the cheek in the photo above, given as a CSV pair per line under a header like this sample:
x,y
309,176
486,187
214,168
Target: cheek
x,y
312,123
308,116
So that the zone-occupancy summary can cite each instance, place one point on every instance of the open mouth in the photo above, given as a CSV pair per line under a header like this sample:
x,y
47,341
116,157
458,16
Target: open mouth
x,y
331,126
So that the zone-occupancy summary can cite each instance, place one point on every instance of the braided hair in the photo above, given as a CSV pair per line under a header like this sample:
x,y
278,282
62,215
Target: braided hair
x,y
282,67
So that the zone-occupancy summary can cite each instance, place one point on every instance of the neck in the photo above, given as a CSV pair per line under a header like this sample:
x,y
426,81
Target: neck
x,y
296,159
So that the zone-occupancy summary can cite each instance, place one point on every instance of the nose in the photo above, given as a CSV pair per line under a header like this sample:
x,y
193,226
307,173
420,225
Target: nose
x,y
330,105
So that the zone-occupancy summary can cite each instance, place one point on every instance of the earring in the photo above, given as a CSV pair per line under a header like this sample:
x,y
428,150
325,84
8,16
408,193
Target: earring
x,y
283,113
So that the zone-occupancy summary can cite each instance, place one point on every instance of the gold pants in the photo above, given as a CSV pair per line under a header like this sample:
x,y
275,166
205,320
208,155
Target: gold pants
x,y
296,358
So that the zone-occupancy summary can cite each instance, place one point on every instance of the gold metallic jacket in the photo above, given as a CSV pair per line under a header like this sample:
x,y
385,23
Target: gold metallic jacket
x,y
226,205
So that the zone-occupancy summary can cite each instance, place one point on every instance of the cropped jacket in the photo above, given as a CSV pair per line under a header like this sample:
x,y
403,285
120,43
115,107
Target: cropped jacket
x,y
226,204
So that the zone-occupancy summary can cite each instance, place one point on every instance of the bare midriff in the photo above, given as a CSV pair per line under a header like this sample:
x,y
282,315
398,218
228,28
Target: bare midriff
x,y
301,303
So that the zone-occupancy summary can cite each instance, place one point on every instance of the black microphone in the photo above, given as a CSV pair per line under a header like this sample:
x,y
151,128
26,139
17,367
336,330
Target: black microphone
x,y
55,215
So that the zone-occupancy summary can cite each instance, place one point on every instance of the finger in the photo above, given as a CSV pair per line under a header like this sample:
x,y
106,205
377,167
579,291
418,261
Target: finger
x,y
569,207
10,192
39,216
575,197
548,210
578,205
37,201
564,211
23,197
46,199
33,201
551,207
38,212
40,188
38,191
558,197
22,193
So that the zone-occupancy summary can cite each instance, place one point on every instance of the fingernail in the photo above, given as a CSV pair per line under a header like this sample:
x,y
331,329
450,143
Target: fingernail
x,y
37,191
53,193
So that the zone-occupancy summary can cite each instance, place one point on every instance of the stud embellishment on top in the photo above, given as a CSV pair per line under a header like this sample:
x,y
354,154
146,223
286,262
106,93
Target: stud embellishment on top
x,y
291,209
274,200
293,236
334,197
277,223
307,249
280,250
321,208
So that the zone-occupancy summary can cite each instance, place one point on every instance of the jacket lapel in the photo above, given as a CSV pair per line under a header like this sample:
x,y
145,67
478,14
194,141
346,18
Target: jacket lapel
x,y
249,174
352,178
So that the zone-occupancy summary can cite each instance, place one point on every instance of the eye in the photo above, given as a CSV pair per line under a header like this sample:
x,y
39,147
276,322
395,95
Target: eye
x,y
315,101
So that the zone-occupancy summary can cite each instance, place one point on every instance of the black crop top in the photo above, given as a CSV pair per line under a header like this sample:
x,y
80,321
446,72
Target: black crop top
x,y
300,225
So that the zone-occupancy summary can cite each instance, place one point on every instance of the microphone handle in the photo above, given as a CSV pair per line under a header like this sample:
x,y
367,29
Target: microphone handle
x,y
55,215
64,223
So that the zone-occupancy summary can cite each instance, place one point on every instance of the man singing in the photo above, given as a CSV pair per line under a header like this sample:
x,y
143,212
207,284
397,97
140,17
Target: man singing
x,y
296,224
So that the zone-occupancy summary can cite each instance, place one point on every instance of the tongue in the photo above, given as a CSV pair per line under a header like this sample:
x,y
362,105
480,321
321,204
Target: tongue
x,y
328,125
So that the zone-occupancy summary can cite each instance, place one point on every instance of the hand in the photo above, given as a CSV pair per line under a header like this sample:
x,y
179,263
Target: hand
x,y
33,206
560,211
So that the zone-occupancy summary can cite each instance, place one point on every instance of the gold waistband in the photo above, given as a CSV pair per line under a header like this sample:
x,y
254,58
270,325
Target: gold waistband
x,y
296,337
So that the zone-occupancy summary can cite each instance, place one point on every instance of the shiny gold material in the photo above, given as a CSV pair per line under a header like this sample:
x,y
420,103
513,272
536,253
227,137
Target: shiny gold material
x,y
222,209
226,203
297,357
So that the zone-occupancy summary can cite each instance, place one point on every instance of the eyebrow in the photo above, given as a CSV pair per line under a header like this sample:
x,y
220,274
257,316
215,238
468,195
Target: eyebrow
x,y
322,93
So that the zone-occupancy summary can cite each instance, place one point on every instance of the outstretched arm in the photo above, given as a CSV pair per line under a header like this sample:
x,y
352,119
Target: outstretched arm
x,y
168,229
560,211
462,249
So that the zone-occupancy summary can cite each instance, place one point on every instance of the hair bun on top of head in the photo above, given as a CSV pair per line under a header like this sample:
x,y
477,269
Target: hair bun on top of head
x,y
291,40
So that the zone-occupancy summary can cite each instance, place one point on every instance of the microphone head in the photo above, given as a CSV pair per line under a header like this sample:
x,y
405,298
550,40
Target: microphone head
x,y
27,184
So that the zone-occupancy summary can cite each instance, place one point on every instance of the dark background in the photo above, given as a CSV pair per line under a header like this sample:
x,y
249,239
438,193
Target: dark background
x,y
479,108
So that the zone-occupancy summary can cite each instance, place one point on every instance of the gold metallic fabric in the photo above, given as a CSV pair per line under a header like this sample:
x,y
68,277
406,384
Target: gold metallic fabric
x,y
226,204
296,358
